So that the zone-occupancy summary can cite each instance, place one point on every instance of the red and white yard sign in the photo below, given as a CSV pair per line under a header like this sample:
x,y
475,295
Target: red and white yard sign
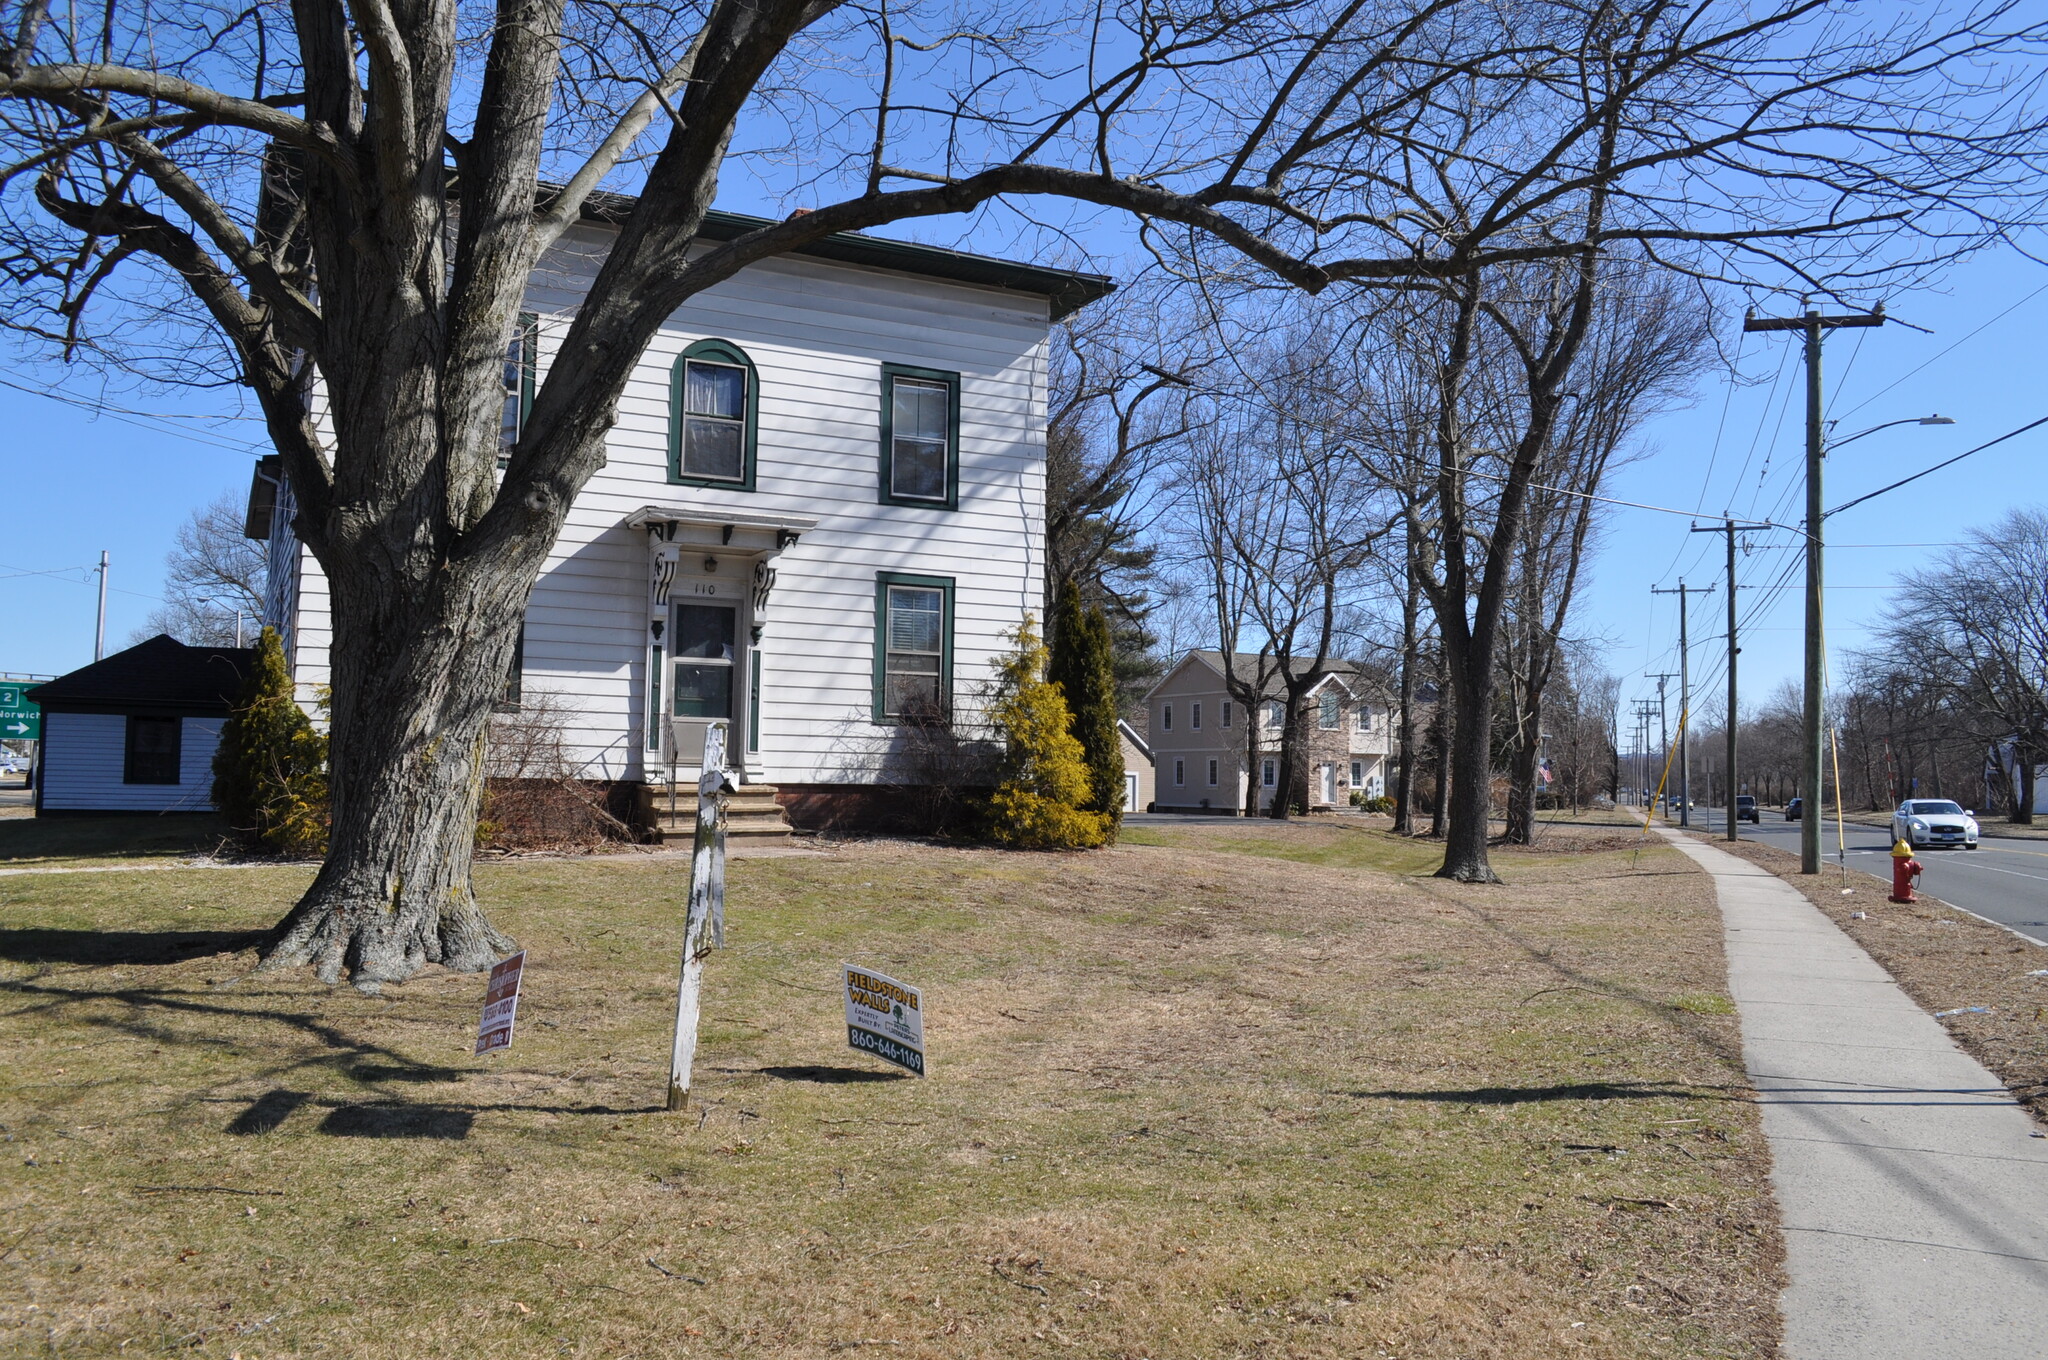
x,y
501,1005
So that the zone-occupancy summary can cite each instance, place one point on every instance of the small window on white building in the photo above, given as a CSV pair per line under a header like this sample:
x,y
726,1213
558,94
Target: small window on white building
x,y
1212,774
1226,712
1195,716
1327,714
1269,773
1166,717
1179,773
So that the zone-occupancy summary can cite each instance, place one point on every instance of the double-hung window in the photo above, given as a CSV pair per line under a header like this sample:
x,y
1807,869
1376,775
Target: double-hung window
x,y
1212,774
1357,774
1195,715
1269,773
1180,770
1226,712
1276,713
913,648
153,748
920,437
714,414
1166,717
1364,718
520,374
1327,714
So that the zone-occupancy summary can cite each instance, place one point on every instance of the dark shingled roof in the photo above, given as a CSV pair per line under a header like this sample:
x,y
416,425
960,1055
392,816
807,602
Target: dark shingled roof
x,y
162,674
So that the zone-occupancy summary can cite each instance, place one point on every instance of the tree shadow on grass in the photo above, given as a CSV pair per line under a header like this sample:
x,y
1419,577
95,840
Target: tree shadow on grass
x,y
1524,1095
129,947
830,1076
398,1121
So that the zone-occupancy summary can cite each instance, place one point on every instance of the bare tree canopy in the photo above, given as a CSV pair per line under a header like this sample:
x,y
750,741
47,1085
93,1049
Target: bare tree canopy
x,y
353,194
213,578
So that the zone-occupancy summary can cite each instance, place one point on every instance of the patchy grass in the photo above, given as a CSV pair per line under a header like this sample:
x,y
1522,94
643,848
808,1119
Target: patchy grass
x,y
46,842
1201,1099
1948,961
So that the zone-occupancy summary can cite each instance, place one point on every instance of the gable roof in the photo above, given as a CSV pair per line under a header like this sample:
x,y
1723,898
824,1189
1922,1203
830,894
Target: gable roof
x,y
162,673
1344,673
1131,735
1067,290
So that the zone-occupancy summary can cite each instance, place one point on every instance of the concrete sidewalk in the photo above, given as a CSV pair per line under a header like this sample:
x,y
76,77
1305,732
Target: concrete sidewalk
x,y
1914,1194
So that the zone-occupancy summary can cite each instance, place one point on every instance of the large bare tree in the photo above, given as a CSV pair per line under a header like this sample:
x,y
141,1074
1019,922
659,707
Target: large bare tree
x,y
353,193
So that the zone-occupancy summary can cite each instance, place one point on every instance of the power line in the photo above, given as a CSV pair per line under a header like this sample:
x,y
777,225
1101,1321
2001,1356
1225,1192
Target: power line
x,y
1971,336
1938,466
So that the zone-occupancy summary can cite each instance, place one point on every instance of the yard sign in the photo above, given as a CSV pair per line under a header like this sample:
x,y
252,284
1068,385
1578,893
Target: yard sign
x,y
501,1005
884,1017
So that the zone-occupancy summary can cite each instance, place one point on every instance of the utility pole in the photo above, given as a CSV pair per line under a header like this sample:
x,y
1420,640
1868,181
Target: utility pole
x,y
1644,708
1814,325
1684,703
99,632
1731,528
1663,718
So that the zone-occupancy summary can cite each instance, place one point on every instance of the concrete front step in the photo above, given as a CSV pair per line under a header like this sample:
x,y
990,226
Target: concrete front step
x,y
751,815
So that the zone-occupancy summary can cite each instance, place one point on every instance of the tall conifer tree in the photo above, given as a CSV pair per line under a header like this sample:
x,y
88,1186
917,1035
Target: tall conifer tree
x,y
1084,667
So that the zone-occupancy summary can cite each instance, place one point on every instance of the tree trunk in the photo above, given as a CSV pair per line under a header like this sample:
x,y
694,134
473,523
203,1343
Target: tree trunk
x,y
1522,773
414,681
1471,802
2023,785
1440,751
1290,758
1404,777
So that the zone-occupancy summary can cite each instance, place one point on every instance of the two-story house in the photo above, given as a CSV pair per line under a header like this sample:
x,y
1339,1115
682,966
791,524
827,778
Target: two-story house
x,y
821,512
1203,741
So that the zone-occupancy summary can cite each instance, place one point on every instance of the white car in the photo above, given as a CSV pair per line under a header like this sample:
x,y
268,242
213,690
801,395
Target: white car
x,y
1934,821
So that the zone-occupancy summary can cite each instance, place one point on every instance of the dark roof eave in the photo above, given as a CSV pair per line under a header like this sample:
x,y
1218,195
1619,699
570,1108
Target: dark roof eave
x,y
1067,290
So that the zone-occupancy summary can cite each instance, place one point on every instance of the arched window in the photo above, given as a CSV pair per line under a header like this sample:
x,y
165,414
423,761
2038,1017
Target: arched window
x,y
714,416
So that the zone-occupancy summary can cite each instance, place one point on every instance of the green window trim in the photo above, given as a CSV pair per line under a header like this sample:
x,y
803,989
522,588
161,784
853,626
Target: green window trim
x,y
723,352
527,337
754,698
942,584
891,372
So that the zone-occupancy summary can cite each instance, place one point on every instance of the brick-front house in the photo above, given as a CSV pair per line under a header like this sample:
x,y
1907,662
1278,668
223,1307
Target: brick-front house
x,y
1199,747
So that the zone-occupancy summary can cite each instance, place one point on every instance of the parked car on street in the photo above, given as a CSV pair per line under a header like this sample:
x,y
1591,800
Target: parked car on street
x,y
1793,808
1934,821
1746,809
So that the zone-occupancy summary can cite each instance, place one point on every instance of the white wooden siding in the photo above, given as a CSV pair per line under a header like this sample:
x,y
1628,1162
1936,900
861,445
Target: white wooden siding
x,y
818,333
84,756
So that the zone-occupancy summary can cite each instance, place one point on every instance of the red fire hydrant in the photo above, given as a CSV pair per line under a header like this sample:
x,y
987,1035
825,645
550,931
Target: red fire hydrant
x,y
1905,869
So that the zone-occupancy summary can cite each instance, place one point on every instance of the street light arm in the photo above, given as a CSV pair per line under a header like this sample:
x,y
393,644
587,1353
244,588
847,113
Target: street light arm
x,y
1909,420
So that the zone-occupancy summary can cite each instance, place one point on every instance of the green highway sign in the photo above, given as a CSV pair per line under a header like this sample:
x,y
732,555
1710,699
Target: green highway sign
x,y
20,720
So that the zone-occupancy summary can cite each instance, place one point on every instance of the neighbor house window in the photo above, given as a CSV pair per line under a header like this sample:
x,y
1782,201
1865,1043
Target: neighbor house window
x,y
1357,774
913,647
1180,770
1269,773
1226,712
1166,717
714,414
920,437
520,371
1327,713
1276,713
1195,716
152,752
1212,774
1364,718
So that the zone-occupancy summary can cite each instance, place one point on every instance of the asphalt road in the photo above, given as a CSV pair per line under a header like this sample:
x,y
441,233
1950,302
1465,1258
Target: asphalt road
x,y
2005,880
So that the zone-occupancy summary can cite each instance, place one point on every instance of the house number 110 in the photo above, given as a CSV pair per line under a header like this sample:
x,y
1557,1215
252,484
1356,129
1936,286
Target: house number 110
x,y
703,587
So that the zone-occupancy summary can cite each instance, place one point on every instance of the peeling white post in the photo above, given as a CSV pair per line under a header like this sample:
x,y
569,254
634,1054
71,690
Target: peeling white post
x,y
704,927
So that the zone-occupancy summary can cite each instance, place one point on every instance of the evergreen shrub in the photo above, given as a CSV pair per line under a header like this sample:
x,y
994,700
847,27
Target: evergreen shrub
x,y
1084,667
1044,783
270,770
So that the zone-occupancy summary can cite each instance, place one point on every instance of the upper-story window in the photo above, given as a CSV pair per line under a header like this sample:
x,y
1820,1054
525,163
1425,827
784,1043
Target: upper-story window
x,y
1226,712
1166,717
1328,712
1364,718
1195,715
920,437
520,373
1276,713
714,417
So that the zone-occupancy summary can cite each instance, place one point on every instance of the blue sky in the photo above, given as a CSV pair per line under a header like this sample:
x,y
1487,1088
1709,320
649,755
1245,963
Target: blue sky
x,y
80,482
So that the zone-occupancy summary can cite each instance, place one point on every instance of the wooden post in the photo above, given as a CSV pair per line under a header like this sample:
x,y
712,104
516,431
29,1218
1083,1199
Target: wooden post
x,y
704,926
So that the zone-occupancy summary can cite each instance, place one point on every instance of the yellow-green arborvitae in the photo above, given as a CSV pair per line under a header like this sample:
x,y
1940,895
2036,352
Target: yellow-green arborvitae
x,y
270,770
1038,802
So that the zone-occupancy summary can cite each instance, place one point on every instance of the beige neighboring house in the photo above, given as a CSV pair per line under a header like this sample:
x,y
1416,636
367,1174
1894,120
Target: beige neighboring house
x,y
1199,747
1138,781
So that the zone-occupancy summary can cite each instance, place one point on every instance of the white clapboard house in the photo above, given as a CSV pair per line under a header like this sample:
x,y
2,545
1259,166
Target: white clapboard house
x,y
136,731
821,512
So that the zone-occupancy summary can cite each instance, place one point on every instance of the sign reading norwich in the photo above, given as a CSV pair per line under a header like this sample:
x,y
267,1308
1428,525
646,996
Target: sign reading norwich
x,y
19,719
885,1018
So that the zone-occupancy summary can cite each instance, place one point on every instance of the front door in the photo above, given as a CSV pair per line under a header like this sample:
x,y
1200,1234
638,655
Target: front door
x,y
1329,783
1131,791
704,669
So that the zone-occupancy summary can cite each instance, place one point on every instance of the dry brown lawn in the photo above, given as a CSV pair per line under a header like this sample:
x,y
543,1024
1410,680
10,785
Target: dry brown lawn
x,y
1232,1092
